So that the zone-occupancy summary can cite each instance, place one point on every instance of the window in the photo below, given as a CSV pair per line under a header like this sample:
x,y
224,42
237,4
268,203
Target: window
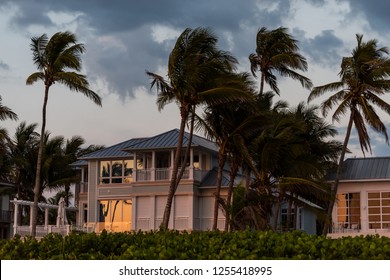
x,y
378,210
116,171
115,215
284,218
348,210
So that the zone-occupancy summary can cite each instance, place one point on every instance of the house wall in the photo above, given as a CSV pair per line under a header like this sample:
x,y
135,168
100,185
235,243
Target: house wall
x,y
309,221
205,210
93,177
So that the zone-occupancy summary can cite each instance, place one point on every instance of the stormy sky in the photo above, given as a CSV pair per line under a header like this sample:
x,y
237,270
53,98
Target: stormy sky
x,y
123,39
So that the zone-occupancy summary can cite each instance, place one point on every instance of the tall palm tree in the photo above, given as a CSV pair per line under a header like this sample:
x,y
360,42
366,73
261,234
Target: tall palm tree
x,y
364,77
58,61
196,71
277,51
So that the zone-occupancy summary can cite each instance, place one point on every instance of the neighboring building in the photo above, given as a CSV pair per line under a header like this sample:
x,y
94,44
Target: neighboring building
x,y
5,210
363,198
124,187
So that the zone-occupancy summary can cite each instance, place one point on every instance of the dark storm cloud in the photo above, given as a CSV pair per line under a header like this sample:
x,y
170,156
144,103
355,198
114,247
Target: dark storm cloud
x,y
325,49
376,12
129,23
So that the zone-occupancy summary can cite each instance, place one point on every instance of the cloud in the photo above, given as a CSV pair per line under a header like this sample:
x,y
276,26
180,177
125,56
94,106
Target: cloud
x,y
124,38
325,49
376,13
4,66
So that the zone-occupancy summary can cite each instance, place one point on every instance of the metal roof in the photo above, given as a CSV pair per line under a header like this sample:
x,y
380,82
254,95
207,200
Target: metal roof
x,y
169,140
164,140
211,178
116,151
366,168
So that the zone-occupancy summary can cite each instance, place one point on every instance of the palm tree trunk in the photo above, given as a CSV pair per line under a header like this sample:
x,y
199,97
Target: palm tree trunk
x,y
262,79
334,187
289,207
221,163
39,163
175,169
187,152
233,174
277,209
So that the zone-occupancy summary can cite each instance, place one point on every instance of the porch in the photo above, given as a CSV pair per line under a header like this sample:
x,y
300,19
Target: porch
x,y
42,230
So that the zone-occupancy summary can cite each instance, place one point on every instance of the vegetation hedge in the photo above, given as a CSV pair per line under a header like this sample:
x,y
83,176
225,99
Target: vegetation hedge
x,y
252,245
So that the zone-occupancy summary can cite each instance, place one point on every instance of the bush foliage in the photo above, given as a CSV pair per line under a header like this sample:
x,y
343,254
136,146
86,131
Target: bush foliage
x,y
250,245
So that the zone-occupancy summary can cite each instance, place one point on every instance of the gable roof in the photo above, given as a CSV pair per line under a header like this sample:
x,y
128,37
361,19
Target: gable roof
x,y
366,168
115,151
169,140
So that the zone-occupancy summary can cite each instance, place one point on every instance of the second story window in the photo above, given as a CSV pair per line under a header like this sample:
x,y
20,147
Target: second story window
x,y
116,171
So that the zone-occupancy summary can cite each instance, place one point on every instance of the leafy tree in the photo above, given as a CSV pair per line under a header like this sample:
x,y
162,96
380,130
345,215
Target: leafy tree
x,y
364,77
196,71
58,61
277,51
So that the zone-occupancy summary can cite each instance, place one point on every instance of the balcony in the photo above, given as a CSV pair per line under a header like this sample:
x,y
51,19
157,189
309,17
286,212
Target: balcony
x,y
164,174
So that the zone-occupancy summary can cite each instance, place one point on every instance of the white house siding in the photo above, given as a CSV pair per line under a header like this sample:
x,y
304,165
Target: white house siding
x,y
308,221
205,211
182,205
143,213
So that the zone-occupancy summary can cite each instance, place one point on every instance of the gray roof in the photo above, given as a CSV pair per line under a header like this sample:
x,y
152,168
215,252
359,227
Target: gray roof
x,y
161,141
366,168
211,178
116,151
169,140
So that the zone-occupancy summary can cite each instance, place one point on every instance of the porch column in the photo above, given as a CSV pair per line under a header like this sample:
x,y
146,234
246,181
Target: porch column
x,y
31,220
135,167
16,212
191,167
172,163
46,217
153,169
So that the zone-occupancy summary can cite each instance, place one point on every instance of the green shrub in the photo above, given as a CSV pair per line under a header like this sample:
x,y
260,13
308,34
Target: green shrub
x,y
213,245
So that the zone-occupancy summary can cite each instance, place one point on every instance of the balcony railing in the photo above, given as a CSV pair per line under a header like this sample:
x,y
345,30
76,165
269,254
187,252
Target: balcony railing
x,y
163,174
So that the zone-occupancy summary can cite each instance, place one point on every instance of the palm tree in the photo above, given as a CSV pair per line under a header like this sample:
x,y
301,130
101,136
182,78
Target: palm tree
x,y
6,113
223,123
277,51
58,61
64,174
196,71
364,76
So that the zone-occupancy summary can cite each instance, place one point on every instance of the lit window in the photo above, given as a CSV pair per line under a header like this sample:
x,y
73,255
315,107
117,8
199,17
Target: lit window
x,y
116,171
378,210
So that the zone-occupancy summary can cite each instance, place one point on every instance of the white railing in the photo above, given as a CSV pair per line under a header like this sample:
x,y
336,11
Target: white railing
x,y
143,224
345,227
144,175
43,230
162,174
